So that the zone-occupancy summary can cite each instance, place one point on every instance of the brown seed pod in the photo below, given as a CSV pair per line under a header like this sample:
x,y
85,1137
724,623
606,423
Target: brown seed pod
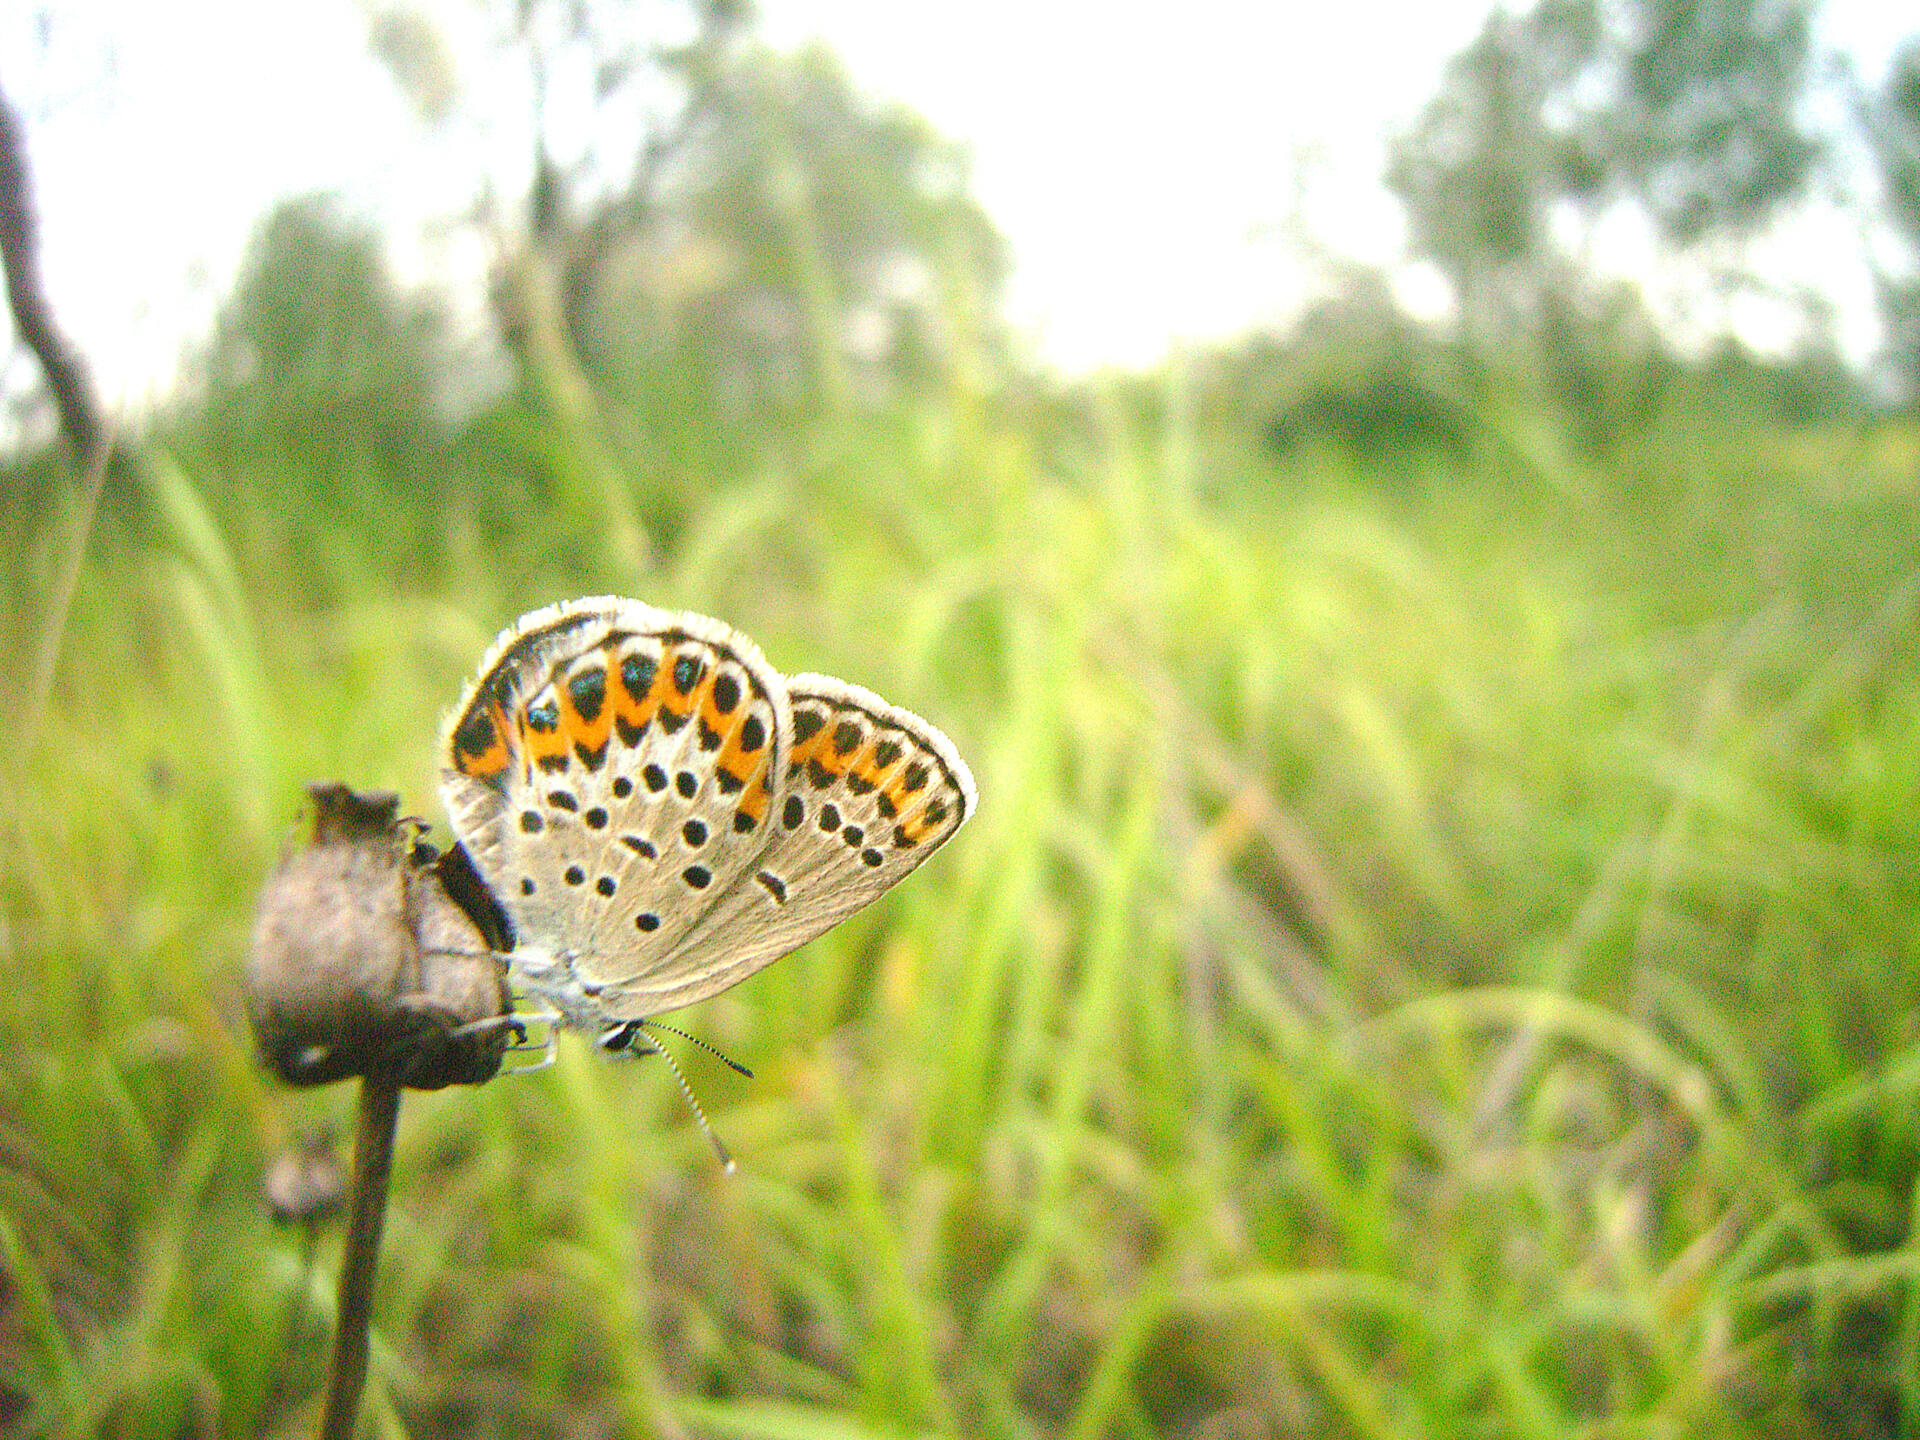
x,y
363,963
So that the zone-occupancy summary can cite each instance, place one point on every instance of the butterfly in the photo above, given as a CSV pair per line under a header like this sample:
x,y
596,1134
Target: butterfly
x,y
659,813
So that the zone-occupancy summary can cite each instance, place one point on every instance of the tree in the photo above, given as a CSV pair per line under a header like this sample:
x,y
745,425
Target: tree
x,y
1684,108
1892,122
711,237
640,69
1484,163
319,358
1704,130
807,240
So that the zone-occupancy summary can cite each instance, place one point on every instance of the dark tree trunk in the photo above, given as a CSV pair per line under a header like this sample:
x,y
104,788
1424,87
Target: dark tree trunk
x,y
67,377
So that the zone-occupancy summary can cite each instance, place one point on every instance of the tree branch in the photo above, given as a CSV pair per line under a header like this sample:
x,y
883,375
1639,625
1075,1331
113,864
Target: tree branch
x,y
66,373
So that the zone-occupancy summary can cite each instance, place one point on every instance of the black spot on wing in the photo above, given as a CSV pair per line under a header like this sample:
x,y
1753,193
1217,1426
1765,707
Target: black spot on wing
x,y
588,691
636,675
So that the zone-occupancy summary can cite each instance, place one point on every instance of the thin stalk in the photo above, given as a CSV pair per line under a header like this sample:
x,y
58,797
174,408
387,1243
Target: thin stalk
x,y
372,1167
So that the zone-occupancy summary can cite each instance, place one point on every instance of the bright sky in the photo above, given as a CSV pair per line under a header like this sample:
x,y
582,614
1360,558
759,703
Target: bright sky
x,y
1150,164
1145,160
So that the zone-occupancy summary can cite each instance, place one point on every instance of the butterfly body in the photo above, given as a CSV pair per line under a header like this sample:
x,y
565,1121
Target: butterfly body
x,y
660,813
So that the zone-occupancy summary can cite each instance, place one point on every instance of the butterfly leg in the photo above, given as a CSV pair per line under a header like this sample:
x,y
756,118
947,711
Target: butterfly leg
x,y
536,1030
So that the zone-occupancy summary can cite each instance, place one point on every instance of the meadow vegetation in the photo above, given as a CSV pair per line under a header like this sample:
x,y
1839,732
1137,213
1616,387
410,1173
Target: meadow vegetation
x,y
1436,954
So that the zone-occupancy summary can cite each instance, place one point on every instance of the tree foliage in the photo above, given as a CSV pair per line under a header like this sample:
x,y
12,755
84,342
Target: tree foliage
x,y
810,241
1705,130
320,358
1484,163
1895,128
739,213
1893,125
1685,108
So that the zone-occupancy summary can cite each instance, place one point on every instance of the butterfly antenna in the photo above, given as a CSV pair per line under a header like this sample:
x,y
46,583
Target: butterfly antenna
x,y
720,1055
726,1160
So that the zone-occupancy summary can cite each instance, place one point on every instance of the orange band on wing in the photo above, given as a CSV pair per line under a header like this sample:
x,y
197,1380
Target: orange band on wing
x,y
757,797
635,686
875,760
816,758
742,766
917,826
480,744
543,740
586,711
908,797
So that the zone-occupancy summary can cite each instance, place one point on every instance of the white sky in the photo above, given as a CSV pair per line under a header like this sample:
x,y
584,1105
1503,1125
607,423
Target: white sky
x,y
1144,159
1149,164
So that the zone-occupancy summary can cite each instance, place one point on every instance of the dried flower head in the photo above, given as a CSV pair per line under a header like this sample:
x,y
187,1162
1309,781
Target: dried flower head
x,y
364,962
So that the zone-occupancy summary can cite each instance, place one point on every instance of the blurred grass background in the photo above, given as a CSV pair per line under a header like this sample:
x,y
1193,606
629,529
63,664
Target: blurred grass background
x,y
1435,956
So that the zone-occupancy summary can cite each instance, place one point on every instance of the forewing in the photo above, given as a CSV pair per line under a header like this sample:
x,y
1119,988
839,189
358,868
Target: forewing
x,y
612,772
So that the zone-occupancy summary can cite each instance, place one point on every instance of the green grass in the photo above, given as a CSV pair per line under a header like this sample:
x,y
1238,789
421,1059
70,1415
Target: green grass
x,y
1435,957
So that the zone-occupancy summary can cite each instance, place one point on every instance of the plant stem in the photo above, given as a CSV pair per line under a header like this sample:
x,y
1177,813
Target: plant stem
x,y
372,1166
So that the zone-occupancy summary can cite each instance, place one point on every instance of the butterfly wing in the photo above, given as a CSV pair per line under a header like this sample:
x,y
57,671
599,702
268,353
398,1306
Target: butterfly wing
x,y
868,792
612,772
